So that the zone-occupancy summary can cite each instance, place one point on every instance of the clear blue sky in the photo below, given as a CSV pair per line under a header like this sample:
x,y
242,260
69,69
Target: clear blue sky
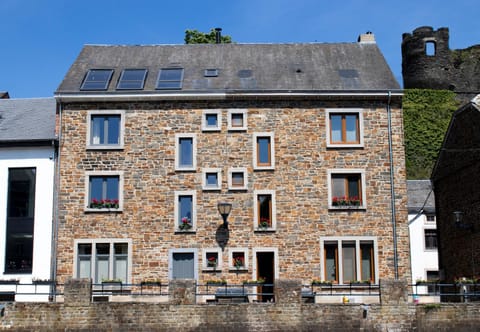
x,y
41,39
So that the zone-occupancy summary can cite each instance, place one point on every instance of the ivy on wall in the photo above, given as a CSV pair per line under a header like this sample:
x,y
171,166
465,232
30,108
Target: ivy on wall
x,y
426,114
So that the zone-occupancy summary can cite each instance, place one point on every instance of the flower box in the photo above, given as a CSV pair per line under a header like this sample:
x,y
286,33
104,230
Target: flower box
x,y
104,204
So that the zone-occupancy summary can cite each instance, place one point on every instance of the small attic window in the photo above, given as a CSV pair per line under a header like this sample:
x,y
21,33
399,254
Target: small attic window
x,y
97,79
132,79
211,73
170,78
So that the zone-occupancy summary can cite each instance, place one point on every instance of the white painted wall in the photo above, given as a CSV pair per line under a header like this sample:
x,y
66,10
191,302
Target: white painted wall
x,y
42,158
422,260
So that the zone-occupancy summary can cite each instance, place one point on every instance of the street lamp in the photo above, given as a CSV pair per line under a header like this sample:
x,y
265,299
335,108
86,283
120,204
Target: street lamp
x,y
224,210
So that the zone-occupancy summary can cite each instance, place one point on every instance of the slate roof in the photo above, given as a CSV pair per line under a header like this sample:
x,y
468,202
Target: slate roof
x,y
27,120
417,191
242,67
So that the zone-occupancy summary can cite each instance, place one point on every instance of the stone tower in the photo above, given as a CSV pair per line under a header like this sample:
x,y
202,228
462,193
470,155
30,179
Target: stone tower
x,y
428,63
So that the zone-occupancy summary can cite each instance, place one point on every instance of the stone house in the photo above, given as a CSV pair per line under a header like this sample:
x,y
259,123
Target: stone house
x,y
455,181
27,163
423,233
305,141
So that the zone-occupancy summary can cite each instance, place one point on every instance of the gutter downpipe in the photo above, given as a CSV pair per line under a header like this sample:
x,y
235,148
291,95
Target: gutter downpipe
x,y
53,262
392,186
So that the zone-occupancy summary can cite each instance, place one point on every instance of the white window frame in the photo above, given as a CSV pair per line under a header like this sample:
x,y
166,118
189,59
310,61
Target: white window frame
x,y
347,171
205,185
230,127
205,126
93,243
89,174
357,240
255,210
358,111
178,167
217,251
192,193
276,270
194,251
272,151
231,266
119,146
232,170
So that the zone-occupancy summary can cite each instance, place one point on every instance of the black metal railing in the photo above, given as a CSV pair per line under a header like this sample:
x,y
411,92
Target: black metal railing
x,y
445,292
234,293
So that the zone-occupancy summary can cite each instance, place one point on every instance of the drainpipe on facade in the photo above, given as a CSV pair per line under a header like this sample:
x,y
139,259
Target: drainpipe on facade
x,y
392,187
53,259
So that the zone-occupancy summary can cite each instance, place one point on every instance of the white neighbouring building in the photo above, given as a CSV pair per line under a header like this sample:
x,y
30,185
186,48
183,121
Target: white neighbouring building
x,y
423,234
27,171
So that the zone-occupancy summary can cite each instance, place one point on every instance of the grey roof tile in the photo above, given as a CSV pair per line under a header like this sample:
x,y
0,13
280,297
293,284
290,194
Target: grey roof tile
x,y
258,67
417,191
27,119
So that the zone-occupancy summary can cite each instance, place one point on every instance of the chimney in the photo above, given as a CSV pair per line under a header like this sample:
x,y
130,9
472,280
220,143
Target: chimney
x,y
218,35
366,38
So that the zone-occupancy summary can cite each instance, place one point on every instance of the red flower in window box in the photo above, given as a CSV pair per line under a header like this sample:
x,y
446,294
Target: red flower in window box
x,y
264,223
104,204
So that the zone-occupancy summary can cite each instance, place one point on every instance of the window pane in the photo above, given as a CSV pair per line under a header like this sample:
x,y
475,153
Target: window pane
x,y
237,179
331,262
263,146
96,188
211,179
120,263
430,239
367,261
112,187
183,266
265,209
102,262
97,79
351,124
211,120
113,129
185,206
170,78
132,79
336,128
353,190
186,151
98,130
349,271
20,220
237,120
84,260
338,186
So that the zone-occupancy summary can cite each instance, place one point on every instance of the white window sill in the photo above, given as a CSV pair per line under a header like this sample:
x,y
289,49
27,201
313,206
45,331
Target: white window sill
x,y
264,168
211,269
265,229
238,269
343,146
105,147
103,210
347,207
191,230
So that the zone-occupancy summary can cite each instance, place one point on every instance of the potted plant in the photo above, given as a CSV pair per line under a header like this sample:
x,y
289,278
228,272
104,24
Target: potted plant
x,y
264,223
212,262
254,282
217,282
42,281
239,262
345,201
104,204
185,224
151,282
316,282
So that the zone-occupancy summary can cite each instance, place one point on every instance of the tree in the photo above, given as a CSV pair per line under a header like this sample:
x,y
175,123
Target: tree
x,y
197,37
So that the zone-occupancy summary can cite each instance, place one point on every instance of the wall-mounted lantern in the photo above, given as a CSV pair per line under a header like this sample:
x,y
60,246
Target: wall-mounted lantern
x,y
458,220
224,210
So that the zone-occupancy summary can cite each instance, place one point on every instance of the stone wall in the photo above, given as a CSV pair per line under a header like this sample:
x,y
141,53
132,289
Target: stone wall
x,y
290,314
299,181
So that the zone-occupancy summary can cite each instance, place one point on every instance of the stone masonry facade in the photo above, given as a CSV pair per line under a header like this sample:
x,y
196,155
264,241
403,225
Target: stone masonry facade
x,y
299,181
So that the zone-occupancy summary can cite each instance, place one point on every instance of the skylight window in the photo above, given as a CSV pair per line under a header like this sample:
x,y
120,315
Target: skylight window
x,y
97,79
170,78
132,79
211,73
